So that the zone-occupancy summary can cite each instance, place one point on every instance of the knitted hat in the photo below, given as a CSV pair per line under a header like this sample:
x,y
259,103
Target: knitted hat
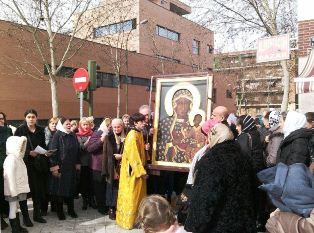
x,y
208,125
248,124
274,118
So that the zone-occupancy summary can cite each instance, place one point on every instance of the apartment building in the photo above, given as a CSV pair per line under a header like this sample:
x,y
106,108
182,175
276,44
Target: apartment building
x,y
152,27
253,88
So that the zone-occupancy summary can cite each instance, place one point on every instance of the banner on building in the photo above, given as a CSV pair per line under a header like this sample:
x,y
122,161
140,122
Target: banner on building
x,y
274,48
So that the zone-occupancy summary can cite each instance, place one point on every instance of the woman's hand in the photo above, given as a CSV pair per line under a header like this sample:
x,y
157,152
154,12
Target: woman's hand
x,y
33,153
147,146
118,156
78,167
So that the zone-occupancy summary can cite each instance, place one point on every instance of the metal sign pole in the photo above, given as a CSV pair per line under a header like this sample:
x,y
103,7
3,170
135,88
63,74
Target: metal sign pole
x,y
81,104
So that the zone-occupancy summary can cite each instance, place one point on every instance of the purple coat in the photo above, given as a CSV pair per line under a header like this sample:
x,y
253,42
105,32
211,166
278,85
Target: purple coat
x,y
95,147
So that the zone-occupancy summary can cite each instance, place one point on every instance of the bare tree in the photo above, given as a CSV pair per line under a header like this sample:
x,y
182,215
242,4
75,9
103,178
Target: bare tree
x,y
45,20
248,20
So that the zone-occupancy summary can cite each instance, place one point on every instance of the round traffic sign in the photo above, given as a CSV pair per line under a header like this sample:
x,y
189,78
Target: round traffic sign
x,y
80,79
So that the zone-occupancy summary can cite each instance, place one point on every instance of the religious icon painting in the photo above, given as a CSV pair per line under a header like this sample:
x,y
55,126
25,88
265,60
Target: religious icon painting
x,y
182,105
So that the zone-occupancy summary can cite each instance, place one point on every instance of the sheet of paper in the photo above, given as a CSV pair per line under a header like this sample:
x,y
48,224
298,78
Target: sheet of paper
x,y
40,150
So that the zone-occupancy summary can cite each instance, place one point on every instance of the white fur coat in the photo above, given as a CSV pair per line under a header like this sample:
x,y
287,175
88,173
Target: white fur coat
x,y
14,168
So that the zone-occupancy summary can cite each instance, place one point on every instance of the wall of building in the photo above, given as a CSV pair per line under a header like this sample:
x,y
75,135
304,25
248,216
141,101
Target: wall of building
x,y
24,85
255,87
143,38
152,44
305,33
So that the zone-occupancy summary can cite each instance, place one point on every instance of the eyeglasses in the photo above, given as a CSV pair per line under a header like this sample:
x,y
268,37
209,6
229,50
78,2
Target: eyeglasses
x,y
1,118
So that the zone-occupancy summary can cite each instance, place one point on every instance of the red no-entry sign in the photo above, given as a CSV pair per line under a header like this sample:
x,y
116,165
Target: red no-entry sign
x,y
80,79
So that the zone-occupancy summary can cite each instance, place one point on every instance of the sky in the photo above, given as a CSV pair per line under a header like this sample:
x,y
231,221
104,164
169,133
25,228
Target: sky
x,y
305,12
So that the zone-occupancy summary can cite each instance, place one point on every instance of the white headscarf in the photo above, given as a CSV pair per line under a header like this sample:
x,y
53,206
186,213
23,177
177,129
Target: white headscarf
x,y
294,121
61,128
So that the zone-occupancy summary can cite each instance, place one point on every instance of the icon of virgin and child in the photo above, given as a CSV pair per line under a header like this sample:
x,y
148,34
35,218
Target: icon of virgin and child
x,y
179,134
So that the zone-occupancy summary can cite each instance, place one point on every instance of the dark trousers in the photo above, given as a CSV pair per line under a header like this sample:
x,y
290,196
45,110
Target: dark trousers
x,y
99,188
86,186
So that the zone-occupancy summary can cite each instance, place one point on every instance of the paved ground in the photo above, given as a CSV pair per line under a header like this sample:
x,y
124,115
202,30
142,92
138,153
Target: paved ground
x,y
88,221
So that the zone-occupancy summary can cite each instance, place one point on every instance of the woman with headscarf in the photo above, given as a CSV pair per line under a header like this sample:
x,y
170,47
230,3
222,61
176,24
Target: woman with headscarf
x,y
222,194
251,145
182,204
295,146
250,142
64,162
85,131
95,148
276,121
112,155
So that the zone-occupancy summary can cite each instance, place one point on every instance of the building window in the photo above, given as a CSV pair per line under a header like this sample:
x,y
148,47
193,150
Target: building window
x,y
168,59
209,48
110,29
196,47
167,33
229,94
312,41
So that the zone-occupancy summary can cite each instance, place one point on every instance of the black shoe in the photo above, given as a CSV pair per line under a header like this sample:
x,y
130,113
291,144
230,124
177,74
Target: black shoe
x,y
14,226
61,216
72,214
27,221
22,229
44,213
3,224
92,203
112,214
84,207
39,219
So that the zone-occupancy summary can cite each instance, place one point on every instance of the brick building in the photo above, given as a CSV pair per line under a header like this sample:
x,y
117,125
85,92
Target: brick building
x,y
253,88
152,27
24,83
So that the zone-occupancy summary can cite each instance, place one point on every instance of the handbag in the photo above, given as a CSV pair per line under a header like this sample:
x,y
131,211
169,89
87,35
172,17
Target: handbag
x,y
183,203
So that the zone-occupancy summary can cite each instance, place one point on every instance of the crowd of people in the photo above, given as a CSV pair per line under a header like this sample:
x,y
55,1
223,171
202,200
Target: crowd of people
x,y
225,190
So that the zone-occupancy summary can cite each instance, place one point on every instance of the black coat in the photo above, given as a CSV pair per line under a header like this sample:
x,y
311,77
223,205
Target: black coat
x,y
66,157
37,176
295,148
253,147
223,193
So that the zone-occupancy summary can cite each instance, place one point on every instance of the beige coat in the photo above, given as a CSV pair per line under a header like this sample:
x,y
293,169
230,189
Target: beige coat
x,y
286,222
14,169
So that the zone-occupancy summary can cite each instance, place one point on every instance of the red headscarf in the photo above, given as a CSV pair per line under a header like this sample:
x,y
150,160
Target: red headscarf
x,y
85,132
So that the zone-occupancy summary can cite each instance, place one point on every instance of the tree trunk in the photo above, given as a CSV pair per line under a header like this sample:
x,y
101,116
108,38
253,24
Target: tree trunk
x,y
286,83
54,97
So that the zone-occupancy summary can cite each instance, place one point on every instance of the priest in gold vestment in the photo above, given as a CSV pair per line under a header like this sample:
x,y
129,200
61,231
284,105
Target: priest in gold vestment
x,y
132,183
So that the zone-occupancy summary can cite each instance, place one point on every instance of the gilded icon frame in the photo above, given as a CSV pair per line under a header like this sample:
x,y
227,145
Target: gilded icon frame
x,y
200,86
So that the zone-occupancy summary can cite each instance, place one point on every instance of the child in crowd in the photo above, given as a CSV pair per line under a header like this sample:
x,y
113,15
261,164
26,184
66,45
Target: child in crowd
x,y
156,215
15,177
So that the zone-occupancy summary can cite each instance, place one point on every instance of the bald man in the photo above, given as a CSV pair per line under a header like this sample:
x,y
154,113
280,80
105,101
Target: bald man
x,y
221,113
